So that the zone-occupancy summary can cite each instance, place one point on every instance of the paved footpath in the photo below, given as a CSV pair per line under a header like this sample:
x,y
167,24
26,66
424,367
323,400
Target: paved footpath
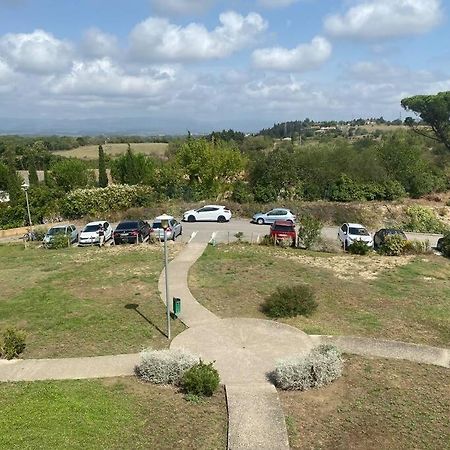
x,y
244,351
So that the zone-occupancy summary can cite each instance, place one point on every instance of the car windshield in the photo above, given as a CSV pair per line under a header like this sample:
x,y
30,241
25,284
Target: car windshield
x,y
284,228
358,231
91,228
54,231
127,225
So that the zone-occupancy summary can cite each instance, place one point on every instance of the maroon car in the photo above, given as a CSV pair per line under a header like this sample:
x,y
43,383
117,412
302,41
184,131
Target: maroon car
x,y
283,229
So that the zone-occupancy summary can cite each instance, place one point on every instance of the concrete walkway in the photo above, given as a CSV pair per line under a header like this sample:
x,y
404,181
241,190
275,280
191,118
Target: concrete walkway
x,y
192,313
68,368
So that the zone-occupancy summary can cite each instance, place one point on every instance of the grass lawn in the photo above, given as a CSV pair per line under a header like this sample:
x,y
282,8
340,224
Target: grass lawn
x,y
117,413
79,301
393,298
377,404
91,151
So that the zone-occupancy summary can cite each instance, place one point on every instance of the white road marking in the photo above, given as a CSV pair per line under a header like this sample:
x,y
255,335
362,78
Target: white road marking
x,y
194,233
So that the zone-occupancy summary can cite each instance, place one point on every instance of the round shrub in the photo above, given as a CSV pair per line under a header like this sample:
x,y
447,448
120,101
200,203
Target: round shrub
x,y
423,220
290,301
318,368
201,380
446,246
12,343
164,366
359,248
393,245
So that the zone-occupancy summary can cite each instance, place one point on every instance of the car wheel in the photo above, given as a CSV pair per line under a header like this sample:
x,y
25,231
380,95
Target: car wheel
x,y
221,219
260,221
191,218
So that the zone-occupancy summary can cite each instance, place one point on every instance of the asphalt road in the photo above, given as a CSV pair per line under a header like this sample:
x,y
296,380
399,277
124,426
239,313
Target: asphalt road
x,y
225,232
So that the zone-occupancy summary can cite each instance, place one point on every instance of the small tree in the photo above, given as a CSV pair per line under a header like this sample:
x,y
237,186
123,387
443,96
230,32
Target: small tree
x,y
309,230
102,175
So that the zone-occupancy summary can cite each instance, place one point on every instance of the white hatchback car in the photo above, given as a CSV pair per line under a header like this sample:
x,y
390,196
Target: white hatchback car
x,y
351,232
90,234
208,213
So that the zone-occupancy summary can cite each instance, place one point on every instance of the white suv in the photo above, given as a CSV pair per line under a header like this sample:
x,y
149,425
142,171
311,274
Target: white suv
x,y
208,213
351,232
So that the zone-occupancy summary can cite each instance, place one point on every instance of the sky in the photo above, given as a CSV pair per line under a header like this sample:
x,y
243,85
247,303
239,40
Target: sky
x,y
170,65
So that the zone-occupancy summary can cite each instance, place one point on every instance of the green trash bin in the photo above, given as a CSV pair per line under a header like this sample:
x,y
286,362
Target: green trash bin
x,y
176,304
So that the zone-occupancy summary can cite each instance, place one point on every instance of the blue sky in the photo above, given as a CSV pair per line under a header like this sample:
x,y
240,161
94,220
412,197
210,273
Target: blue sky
x,y
216,64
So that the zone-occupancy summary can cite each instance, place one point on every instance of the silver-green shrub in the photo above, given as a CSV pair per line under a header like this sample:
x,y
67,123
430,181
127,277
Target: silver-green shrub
x,y
319,367
164,366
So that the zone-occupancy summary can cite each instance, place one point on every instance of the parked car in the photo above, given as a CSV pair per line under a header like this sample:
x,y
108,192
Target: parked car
x,y
379,238
68,230
208,213
273,215
351,232
175,229
131,232
445,240
91,233
283,229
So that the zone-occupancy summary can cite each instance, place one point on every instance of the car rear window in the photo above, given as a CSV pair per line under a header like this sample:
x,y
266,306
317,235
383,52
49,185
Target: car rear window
x,y
156,225
91,228
127,225
54,231
283,228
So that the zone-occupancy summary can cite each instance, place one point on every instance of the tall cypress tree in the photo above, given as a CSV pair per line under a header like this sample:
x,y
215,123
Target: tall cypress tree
x,y
13,180
32,172
102,175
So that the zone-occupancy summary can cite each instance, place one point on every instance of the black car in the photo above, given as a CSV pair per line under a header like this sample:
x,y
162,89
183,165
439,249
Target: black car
x,y
380,236
131,232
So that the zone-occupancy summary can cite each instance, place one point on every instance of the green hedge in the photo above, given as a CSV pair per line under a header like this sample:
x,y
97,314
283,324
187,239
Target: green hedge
x,y
82,202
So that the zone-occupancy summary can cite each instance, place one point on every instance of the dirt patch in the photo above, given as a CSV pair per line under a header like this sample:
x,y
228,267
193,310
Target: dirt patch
x,y
348,266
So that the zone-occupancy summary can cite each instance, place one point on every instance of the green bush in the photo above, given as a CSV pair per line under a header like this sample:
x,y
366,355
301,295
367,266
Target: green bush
x,y
40,232
267,240
416,247
359,248
393,245
200,380
12,343
309,230
423,220
290,301
241,192
59,241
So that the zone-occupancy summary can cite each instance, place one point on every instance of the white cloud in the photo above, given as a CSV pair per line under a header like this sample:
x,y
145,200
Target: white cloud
x,y
276,3
158,39
38,52
102,78
386,18
301,58
168,7
96,43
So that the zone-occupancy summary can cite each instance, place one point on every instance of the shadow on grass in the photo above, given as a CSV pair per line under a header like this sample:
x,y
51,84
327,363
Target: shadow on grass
x,y
135,306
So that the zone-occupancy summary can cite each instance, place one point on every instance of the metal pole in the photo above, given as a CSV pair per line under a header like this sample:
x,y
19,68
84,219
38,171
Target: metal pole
x,y
167,285
28,209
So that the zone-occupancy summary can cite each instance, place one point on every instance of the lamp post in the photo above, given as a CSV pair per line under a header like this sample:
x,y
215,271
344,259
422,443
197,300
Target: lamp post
x,y
25,187
165,224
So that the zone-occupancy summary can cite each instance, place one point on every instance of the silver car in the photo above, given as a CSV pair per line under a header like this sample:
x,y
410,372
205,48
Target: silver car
x,y
273,215
174,229
68,230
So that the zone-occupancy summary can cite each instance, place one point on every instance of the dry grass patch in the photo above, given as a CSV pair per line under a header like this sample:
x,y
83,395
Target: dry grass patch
x,y
91,151
377,404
